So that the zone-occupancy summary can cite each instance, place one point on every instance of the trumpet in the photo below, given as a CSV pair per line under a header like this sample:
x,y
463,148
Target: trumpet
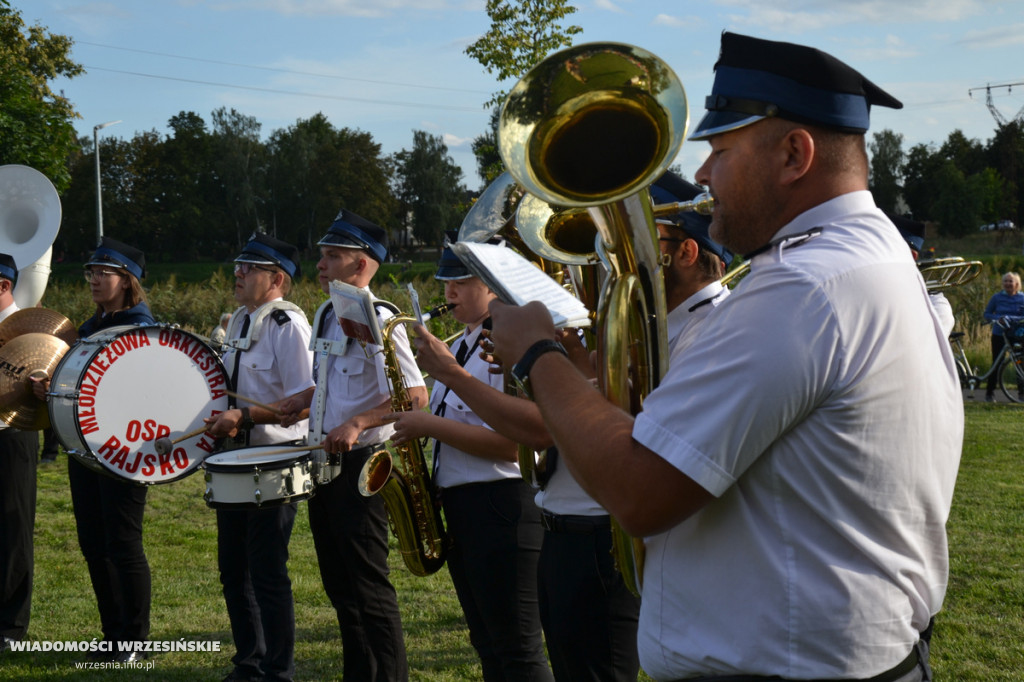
x,y
555,130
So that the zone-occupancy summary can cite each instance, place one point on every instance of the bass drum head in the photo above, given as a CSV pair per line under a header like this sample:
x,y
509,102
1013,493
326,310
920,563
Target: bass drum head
x,y
116,392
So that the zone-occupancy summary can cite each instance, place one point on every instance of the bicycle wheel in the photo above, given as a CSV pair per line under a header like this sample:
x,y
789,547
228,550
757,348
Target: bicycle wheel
x,y
1011,375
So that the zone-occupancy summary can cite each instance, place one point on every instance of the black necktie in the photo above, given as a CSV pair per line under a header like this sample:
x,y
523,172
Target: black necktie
x,y
238,357
460,355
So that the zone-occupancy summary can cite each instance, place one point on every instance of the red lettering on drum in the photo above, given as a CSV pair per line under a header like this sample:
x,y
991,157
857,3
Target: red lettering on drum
x,y
166,469
133,466
87,422
205,445
148,465
180,458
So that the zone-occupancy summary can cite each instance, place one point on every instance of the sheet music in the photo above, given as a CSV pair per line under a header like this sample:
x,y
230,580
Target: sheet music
x,y
517,281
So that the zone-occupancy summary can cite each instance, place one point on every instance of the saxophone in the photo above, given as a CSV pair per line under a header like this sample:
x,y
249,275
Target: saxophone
x,y
406,488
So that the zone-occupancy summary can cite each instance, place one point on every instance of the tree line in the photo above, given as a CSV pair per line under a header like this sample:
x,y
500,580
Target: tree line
x,y
199,192
958,185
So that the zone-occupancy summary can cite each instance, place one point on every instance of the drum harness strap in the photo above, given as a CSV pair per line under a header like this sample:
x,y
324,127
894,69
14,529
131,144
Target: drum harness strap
x,y
251,326
323,348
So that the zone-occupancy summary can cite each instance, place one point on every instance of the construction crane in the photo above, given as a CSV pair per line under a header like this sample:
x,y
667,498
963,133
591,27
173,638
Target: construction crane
x,y
996,114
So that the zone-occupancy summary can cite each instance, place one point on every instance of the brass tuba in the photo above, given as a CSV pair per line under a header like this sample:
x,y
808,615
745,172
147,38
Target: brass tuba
x,y
593,126
30,214
406,489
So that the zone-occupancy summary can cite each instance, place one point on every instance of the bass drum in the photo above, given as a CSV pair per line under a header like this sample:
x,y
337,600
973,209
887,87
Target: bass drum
x,y
116,392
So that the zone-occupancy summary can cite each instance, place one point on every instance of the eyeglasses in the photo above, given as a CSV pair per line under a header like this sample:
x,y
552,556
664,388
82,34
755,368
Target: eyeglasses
x,y
246,268
90,275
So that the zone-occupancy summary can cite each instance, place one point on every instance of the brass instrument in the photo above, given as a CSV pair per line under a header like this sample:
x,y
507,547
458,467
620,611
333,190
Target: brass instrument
x,y
945,273
736,274
30,214
406,489
592,127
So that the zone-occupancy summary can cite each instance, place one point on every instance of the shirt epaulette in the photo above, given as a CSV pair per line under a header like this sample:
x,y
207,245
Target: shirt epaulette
x,y
281,317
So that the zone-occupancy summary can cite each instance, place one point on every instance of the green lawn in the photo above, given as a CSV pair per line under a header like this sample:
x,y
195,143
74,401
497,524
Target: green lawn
x,y
979,635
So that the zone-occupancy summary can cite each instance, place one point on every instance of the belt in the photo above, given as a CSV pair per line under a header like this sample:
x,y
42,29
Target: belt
x,y
894,673
570,523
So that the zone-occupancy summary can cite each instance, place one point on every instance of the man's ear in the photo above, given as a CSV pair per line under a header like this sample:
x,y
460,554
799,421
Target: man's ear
x,y
799,149
688,251
6,285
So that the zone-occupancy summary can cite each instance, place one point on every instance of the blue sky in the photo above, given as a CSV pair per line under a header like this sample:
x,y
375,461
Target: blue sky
x,y
390,67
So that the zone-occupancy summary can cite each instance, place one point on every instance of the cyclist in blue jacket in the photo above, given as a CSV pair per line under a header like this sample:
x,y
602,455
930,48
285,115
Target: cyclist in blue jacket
x,y
1008,303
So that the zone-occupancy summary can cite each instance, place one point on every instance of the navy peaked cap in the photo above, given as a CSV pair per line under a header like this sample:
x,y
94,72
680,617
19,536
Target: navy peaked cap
x,y
262,249
670,189
8,268
115,254
351,231
757,79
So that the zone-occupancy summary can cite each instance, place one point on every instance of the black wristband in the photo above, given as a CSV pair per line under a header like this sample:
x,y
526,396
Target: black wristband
x,y
247,423
521,370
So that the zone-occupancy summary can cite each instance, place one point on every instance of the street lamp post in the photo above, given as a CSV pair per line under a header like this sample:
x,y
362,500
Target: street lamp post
x,y
99,191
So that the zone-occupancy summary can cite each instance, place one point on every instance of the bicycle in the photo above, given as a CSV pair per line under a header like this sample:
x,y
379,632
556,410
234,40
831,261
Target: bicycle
x,y
1008,367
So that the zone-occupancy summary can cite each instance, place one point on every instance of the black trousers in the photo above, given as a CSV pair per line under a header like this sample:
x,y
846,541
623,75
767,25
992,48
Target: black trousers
x,y
252,556
590,617
496,539
108,512
17,522
350,534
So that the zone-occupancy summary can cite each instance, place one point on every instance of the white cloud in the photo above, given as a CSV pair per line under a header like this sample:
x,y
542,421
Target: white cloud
x,y
454,141
609,6
800,16
1000,36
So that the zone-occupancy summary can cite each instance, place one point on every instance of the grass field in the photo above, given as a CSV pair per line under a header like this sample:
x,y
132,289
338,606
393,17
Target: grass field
x,y
978,636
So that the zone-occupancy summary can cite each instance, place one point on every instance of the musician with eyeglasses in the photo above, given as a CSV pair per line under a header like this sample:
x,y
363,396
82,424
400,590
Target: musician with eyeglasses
x,y
492,522
792,476
350,531
17,501
109,511
268,359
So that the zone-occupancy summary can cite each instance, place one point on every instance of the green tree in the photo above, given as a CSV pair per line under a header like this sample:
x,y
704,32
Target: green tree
x,y
1005,153
239,169
315,170
522,33
886,168
918,175
485,148
428,188
35,123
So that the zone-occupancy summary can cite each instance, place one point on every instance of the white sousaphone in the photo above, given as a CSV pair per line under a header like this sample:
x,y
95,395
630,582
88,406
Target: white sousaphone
x,y
30,215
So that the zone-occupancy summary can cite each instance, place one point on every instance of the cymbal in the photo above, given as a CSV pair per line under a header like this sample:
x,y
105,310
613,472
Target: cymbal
x,y
28,354
44,320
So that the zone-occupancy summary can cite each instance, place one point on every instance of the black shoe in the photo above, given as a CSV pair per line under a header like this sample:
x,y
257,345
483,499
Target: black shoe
x,y
240,676
5,643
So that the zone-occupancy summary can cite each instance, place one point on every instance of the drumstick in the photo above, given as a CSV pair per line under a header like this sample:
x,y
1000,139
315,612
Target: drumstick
x,y
163,445
268,408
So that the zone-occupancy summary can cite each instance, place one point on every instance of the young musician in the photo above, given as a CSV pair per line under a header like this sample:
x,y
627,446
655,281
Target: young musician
x,y
350,531
108,511
492,521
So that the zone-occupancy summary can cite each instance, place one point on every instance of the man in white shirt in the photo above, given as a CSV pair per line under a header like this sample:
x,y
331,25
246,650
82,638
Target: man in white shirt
x,y
350,531
268,360
793,477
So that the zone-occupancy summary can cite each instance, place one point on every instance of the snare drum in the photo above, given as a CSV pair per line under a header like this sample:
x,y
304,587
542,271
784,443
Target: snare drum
x,y
258,477
116,392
